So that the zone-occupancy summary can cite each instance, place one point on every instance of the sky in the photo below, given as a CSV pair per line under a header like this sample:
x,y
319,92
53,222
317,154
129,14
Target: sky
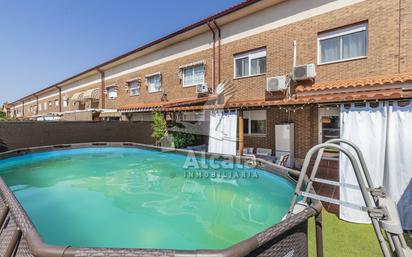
x,y
46,41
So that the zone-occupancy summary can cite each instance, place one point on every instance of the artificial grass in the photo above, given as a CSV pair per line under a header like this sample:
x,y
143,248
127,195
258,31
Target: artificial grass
x,y
344,239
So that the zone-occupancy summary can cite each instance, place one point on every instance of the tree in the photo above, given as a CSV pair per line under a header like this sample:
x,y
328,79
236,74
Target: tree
x,y
159,126
2,116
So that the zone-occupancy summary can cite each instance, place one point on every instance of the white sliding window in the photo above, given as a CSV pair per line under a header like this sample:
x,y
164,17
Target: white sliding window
x,y
250,63
154,83
134,88
112,92
343,44
254,122
193,75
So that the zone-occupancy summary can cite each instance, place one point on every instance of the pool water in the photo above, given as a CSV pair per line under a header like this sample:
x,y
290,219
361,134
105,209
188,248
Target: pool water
x,y
136,198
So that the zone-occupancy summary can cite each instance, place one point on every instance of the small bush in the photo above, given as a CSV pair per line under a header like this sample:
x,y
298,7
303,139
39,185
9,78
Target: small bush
x,y
2,115
159,126
182,140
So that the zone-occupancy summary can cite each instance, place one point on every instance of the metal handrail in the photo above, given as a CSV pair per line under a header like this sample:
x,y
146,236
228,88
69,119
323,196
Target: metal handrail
x,y
357,169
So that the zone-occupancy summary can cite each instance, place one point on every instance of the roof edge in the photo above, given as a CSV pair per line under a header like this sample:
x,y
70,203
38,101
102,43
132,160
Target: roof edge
x,y
204,21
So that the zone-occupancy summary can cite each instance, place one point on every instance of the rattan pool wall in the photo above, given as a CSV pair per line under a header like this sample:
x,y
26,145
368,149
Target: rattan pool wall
x,y
19,237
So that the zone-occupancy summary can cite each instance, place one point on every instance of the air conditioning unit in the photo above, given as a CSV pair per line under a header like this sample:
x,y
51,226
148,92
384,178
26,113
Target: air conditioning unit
x,y
276,84
202,89
304,72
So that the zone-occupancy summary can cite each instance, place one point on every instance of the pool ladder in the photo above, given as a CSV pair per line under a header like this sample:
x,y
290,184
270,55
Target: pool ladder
x,y
380,208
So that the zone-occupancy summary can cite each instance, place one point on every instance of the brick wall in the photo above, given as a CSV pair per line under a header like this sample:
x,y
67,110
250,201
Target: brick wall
x,y
171,83
383,54
383,51
306,129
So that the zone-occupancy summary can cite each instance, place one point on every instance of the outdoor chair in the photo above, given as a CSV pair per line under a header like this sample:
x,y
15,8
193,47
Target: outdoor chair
x,y
282,160
265,154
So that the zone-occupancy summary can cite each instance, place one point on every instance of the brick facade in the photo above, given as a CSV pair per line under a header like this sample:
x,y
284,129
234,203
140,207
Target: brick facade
x,y
389,51
306,129
388,54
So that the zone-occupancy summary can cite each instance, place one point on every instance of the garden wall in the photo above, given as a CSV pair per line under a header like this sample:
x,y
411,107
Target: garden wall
x,y
34,133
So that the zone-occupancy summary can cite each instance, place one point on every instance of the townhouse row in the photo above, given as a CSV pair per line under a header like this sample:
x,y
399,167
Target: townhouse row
x,y
355,50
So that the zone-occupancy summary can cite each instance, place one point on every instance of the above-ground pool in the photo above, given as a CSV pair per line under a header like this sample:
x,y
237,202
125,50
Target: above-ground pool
x,y
126,197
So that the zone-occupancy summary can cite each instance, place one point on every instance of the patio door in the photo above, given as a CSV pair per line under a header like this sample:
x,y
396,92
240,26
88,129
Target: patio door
x,y
329,127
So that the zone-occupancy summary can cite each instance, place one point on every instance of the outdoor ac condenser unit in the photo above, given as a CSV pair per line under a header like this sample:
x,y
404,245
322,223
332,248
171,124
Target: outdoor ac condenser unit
x,y
202,88
276,84
304,72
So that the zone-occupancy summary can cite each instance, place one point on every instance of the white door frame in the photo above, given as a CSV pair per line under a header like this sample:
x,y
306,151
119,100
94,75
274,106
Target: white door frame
x,y
325,112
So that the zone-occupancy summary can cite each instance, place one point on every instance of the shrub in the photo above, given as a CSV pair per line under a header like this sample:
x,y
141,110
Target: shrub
x,y
182,140
159,126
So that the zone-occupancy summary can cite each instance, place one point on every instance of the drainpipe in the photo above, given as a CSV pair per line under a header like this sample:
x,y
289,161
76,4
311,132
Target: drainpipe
x,y
294,46
219,37
241,133
60,99
102,88
37,104
214,57
23,110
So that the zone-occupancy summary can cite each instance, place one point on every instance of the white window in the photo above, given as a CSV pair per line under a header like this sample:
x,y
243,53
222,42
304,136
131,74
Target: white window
x,y
154,83
112,92
40,107
56,102
134,87
250,63
65,102
343,44
50,103
45,106
254,122
193,75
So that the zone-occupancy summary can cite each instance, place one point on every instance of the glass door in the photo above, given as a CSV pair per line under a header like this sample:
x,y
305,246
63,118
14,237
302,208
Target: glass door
x,y
329,127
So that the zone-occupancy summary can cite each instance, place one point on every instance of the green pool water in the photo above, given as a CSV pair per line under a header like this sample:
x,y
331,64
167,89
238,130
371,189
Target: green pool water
x,y
136,198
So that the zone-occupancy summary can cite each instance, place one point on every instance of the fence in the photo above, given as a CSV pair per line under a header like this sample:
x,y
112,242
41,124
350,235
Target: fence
x,y
15,135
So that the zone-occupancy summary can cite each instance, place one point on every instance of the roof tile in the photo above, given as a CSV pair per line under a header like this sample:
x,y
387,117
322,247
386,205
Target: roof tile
x,y
359,82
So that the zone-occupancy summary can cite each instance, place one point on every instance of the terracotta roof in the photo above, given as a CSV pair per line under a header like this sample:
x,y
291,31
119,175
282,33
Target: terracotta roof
x,y
387,94
368,88
358,82
167,104
7,105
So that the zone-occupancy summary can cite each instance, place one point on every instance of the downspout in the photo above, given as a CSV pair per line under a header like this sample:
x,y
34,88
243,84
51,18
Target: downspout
x,y
37,104
23,109
399,36
102,88
60,99
219,37
214,57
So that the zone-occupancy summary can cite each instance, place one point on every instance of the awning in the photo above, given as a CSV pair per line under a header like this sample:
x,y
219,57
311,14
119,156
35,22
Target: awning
x,y
78,97
110,114
202,62
160,105
92,94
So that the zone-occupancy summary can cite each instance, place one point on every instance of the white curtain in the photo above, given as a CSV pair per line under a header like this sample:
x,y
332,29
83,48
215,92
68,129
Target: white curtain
x,y
366,127
222,132
398,174
354,45
384,136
